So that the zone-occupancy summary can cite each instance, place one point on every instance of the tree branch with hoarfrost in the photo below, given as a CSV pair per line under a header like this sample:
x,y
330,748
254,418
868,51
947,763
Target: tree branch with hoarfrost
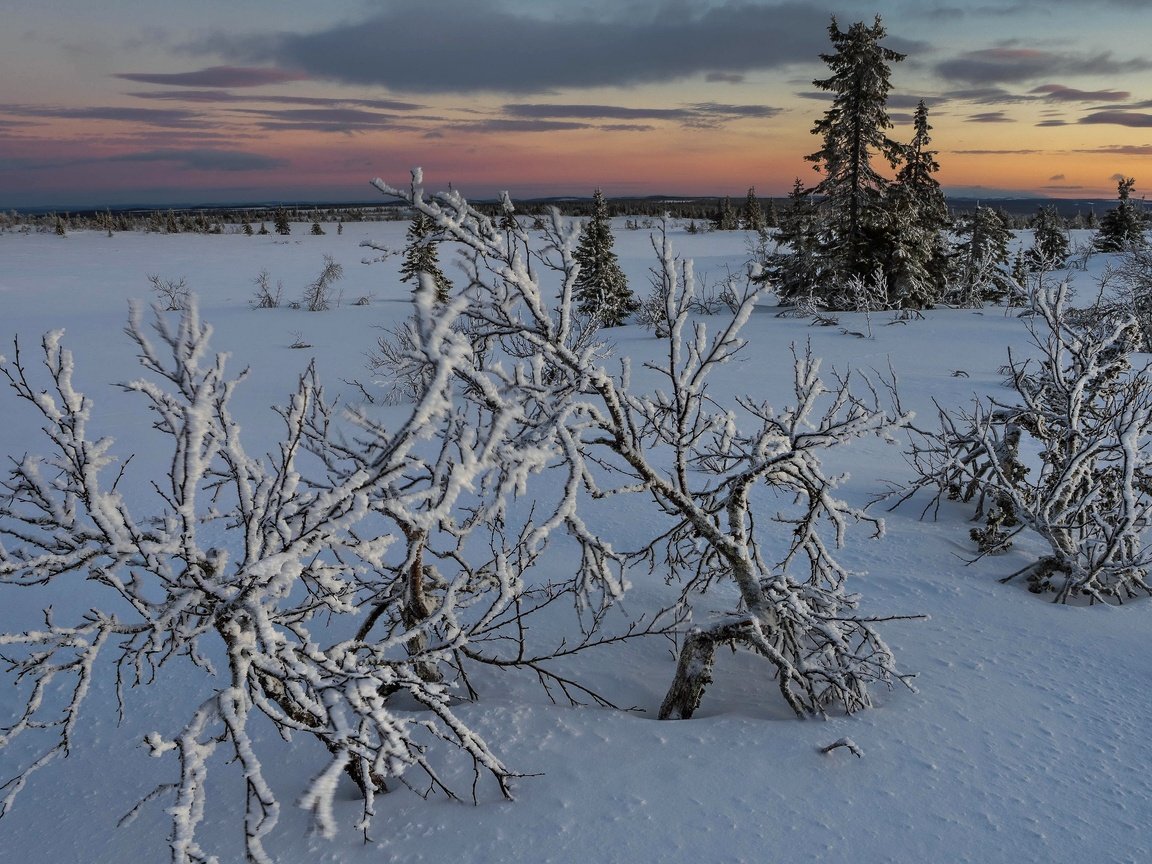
x,y
291,558
691,458
1068,461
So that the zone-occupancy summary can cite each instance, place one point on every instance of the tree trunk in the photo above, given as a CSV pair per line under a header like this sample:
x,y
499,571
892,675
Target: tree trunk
x,y
694,668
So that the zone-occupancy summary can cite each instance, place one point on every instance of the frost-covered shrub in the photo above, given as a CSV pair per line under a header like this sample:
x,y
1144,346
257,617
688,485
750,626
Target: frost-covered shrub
x,y
173,294
318,295
233,575
1068,460
690,458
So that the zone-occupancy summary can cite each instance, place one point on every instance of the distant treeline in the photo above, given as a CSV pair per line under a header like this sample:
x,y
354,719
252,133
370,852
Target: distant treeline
x,y
703,213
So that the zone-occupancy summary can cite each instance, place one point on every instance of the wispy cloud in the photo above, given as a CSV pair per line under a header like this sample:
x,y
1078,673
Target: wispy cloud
x,y
700,115
321,119
1022,152
217,76
1119,118
226,97
1060,93
988,96
205,159
1121,150
990,117
169,117
1009,65
504,124
194,159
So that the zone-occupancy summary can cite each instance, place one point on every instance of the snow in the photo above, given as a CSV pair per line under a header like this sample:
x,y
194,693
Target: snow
x,y
1026,741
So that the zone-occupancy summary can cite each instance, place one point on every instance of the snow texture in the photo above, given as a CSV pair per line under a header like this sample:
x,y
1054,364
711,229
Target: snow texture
x,y
1026,741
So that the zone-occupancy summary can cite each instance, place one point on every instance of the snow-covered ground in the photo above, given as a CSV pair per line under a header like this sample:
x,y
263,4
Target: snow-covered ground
x,y
1027,741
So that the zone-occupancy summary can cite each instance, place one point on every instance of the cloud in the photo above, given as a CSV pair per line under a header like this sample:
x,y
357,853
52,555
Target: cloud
x,y
205,159
701,115
725,78
321,119
217,76
195,159
1060,93
988,96
224,97
168,117
1121,150
1055,178
498,124
463,46
1119,118
991,117
899,100
995,152
1054,122
1014,65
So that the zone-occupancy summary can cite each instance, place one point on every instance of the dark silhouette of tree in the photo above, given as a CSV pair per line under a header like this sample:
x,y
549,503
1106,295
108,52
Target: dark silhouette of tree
x,y
854,129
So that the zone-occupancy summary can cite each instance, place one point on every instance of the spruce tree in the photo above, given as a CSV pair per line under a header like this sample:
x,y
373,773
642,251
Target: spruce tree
x,y
771,215
601,289
980,255
725,218
797,274
853,130
1122,227
917,215
752,214
1049,241
420,256
280,222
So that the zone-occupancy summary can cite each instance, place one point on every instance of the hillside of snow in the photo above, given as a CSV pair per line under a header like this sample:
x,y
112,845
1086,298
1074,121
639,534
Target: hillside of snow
x,y
1026,741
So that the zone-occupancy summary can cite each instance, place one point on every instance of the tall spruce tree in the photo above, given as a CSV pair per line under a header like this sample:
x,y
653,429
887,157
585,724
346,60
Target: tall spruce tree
x,y
601,289
854,130
1123,226
420,256
917,215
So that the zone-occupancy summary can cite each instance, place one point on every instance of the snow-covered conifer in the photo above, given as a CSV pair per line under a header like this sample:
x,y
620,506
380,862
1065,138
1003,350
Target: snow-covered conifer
x,y
280,223
752,214
980,256
916,218
796,270
601,287
725,216
1122,227
421,256
1049,250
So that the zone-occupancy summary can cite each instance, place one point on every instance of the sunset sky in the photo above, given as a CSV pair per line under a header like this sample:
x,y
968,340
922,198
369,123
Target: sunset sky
x,y
153,101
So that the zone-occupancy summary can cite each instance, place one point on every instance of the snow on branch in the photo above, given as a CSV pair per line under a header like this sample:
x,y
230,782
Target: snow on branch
x,y
689,456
